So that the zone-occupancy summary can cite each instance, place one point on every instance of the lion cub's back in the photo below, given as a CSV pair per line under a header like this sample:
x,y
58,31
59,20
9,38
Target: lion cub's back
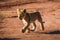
x,y
34,16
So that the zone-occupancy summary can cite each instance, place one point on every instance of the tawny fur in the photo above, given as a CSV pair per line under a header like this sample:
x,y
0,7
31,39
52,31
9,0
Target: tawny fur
x,y
28,18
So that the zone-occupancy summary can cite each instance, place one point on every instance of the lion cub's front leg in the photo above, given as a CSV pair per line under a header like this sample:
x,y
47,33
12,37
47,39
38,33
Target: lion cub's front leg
x,y
26,25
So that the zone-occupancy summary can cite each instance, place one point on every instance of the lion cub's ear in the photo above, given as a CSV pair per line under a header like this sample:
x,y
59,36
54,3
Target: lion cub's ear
x,y
24,10
18,9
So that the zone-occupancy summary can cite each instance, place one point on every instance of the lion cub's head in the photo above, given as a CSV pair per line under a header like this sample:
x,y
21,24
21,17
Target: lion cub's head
x,y
21,13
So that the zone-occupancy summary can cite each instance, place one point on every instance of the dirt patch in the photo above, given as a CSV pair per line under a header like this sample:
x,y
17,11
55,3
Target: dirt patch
x,y
11,26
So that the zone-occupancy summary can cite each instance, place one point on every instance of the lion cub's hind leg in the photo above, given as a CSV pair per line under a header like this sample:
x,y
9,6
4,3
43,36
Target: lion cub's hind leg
x,y
33,27
40,20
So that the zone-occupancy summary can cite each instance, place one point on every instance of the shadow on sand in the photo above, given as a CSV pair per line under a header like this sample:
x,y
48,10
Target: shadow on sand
x,y
10,38
51,32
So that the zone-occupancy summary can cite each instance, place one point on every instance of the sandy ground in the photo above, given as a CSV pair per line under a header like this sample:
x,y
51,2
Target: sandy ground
x,y
10,25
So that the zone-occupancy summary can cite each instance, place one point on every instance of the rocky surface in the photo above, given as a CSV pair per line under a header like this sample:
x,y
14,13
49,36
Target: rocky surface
x,y
4,3
10,25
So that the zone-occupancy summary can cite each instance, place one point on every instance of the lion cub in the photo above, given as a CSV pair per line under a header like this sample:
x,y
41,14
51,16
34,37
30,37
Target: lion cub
x,y
28,18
